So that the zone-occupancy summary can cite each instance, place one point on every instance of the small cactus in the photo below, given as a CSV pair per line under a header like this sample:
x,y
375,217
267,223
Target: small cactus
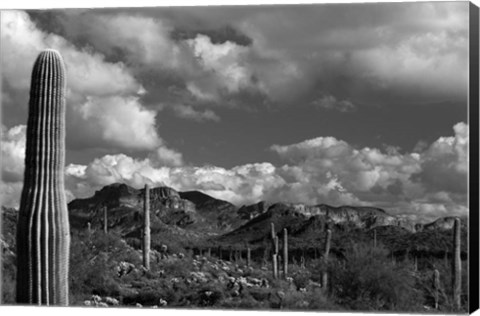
x,y
249,256
146,228
302,262
456,265
43,231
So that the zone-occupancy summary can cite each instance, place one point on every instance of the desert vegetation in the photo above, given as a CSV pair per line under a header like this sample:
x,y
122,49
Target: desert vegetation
x,y
108,270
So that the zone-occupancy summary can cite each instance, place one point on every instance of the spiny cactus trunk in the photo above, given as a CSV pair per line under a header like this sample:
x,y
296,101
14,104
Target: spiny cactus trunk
x,y
105,220
285,253
272,235
275,242
436,286
325,260
43,231
456,265
146,228
275,266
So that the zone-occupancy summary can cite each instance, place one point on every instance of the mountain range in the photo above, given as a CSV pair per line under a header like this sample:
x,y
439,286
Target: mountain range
x,y
195,219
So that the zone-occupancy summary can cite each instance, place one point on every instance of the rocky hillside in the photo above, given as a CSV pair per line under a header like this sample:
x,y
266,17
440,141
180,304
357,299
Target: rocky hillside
x,y
221,214
306,226
193,211
198,219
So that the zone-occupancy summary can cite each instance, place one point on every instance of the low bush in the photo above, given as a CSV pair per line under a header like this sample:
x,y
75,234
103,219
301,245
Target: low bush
x,y
368,279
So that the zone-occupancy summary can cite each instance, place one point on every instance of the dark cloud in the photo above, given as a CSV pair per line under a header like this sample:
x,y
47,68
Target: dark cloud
x,y
217,36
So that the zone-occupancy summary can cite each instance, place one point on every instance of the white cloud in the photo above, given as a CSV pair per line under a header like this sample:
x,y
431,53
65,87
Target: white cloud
x,y
445,162
13,153
164,156
121,122
224,63
320,170
96,89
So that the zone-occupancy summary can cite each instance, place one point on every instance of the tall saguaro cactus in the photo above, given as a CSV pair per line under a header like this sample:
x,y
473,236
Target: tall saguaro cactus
x,y
105,220
275,265
436,286
43,231
456,265
146,228
328,239
285,253
274,238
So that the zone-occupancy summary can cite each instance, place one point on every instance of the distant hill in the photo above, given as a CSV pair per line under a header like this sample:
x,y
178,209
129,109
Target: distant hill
x,y
194,218
221,213
306,227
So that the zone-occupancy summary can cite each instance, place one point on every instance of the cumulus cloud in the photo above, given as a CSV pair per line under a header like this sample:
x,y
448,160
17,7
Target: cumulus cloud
x,y
121,122
103,97
375,53
13,153
445,162
224,63
423,185
12,167
320,170
360,54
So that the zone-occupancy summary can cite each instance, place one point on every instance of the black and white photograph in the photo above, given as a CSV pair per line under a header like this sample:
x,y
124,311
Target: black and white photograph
x,y
261,157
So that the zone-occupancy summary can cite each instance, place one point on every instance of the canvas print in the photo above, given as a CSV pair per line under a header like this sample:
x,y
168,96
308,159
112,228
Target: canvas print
x,y
273,157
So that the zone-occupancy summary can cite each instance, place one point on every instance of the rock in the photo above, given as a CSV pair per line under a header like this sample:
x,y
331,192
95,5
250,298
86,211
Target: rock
x,y
111,301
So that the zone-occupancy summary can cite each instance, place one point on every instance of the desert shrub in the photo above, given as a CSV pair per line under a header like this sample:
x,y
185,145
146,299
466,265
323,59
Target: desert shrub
x,y
425,284
301,278
369,280
8,281
93,262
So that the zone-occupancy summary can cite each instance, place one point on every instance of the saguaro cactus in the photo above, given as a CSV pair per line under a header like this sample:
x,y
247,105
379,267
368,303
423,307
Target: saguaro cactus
x,y
436,286
275,266
89,229
146,228
328,239
456,265
105,220
285,253
43,232
272,234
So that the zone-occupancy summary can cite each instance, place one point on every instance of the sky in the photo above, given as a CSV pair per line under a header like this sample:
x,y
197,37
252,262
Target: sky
x,y
342,104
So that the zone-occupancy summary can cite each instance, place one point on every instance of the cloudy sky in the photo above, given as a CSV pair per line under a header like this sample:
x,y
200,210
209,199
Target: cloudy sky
x,y
359,104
